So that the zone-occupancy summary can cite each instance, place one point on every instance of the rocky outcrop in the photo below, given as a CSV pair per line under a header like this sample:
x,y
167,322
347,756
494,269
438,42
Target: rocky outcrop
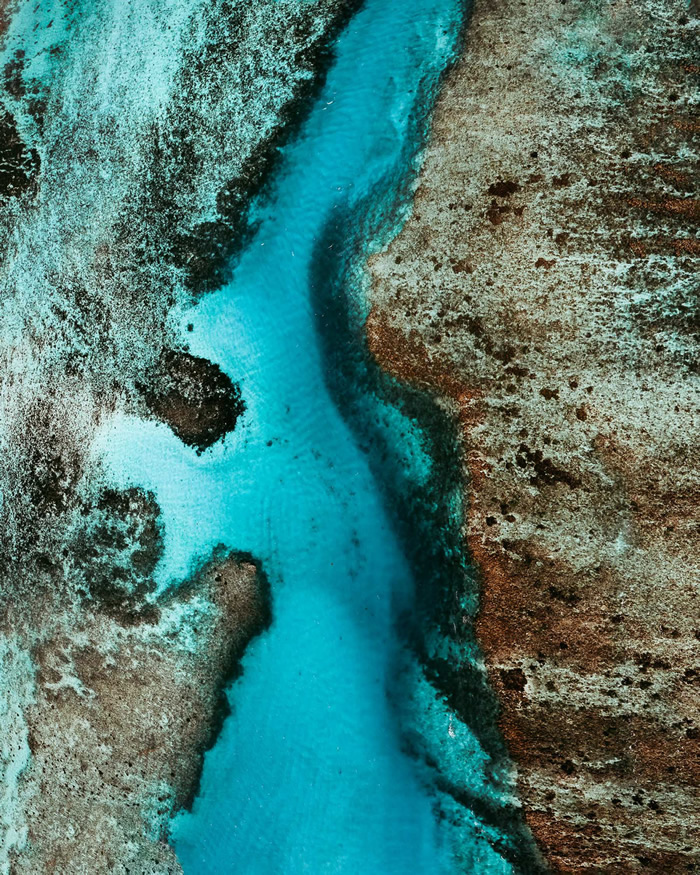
x,y
121,715
545,288
195,398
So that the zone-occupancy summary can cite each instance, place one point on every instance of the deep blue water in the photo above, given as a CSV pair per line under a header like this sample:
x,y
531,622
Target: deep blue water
x,y
308,774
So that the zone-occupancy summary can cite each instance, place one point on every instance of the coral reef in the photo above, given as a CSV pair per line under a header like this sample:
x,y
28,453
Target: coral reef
x,y
543,291
545,288
132,136
122,713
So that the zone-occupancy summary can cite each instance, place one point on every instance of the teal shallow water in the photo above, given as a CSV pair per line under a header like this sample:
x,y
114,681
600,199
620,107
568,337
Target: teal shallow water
x,y
308,774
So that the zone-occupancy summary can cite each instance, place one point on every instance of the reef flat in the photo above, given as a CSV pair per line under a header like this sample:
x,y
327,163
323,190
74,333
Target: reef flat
x,y
121,716
545,289
132,137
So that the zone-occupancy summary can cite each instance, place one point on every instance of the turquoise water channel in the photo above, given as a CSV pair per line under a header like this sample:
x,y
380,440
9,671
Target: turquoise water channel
x,y
308,774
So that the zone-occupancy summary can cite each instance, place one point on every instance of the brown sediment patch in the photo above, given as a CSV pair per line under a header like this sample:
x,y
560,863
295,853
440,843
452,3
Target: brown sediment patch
x,y
406,357
677,206
612,855
539,608
686,247
608,750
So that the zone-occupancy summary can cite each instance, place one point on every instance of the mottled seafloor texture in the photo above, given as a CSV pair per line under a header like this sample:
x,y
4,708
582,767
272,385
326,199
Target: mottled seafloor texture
x,y
171,390
545,288
132,136
473,479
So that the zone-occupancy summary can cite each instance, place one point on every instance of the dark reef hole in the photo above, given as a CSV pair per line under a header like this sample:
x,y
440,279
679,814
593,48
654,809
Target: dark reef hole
x,y
115,551
13,73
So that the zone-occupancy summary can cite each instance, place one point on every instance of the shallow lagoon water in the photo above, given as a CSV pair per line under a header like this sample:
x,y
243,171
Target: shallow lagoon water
x,y
308,774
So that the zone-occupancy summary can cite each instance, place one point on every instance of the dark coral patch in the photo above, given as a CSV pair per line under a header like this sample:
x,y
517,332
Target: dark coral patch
x,y
504,188
12,75
116,553
19,164
195,398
